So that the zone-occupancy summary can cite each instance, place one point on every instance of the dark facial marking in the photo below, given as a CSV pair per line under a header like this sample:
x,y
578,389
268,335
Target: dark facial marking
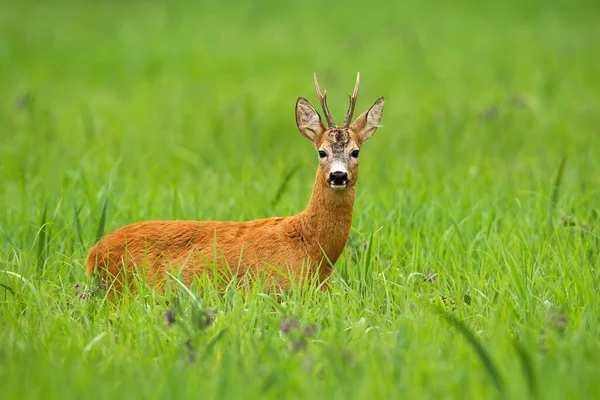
x,y
341,140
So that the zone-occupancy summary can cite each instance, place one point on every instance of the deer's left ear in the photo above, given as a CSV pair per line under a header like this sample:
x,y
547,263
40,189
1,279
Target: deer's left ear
x,y
366,125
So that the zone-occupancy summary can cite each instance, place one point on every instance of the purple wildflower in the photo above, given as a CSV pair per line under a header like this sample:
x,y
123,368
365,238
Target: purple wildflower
x,y
101,285
288,324
490,112
431,278
207,317
310,330
557,320
24,101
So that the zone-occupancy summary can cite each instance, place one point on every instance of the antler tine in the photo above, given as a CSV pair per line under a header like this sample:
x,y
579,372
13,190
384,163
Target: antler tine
x,y
323,101
352,102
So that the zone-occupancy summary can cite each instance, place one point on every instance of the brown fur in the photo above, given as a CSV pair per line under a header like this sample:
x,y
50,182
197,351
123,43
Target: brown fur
x,y
303,245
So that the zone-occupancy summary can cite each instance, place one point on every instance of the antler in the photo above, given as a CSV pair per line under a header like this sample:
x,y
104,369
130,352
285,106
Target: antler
x,y
352,102
323,100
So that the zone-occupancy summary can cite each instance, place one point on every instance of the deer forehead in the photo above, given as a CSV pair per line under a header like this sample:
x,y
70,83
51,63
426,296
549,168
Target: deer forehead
x,y
338,140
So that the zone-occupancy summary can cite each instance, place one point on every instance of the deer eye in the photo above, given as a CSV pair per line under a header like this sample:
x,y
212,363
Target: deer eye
x,y
354,153
322,154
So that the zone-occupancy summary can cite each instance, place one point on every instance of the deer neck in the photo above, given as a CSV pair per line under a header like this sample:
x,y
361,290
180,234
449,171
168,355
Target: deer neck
x,y
327,219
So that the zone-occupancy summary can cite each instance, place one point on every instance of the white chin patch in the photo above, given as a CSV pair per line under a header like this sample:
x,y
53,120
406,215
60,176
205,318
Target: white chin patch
x,y
338,187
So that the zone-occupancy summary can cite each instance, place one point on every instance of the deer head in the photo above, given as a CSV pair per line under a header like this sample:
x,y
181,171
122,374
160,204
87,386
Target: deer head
x,y
338,147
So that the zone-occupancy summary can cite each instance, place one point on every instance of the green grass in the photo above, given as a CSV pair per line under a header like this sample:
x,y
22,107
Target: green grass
x,y
486,173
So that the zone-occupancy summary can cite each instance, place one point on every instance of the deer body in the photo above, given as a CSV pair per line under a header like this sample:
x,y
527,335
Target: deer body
x,y
300,246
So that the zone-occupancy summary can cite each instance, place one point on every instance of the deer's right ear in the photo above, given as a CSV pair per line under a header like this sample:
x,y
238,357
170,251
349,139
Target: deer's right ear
x,y
308,120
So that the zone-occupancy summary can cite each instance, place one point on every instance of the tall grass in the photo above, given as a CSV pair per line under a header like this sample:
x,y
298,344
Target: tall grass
x,y
477,200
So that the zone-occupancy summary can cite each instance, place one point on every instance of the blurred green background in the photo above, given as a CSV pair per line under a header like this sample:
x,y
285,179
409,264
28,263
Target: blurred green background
x,y
485,173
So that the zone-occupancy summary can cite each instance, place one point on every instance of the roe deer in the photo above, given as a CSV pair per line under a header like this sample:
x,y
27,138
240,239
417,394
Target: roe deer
x,y
303,245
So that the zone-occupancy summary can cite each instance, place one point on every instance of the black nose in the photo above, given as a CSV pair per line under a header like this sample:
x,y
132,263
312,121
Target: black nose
x,y
338,178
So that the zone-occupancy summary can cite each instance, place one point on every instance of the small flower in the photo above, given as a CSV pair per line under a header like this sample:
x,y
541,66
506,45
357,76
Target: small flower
x,y
101,285
490,112
557,320
449,300
170,317
522,101
568,220
298,334
432,278
310,330
207,318
24,101
288,324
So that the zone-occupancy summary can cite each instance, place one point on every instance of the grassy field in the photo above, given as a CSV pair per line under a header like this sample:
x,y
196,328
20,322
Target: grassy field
x,y
472,267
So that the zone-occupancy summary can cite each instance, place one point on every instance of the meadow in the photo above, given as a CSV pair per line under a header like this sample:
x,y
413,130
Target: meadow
x,y
472,266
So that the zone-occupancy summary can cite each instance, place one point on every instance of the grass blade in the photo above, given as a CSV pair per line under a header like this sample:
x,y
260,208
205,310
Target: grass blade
x,y
184,287
458,230
102,223
93,342
556,191
78,224
42,240
209,346
7,288
284,184
272,302
481,352
366,270
25,281
528,369
558,182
